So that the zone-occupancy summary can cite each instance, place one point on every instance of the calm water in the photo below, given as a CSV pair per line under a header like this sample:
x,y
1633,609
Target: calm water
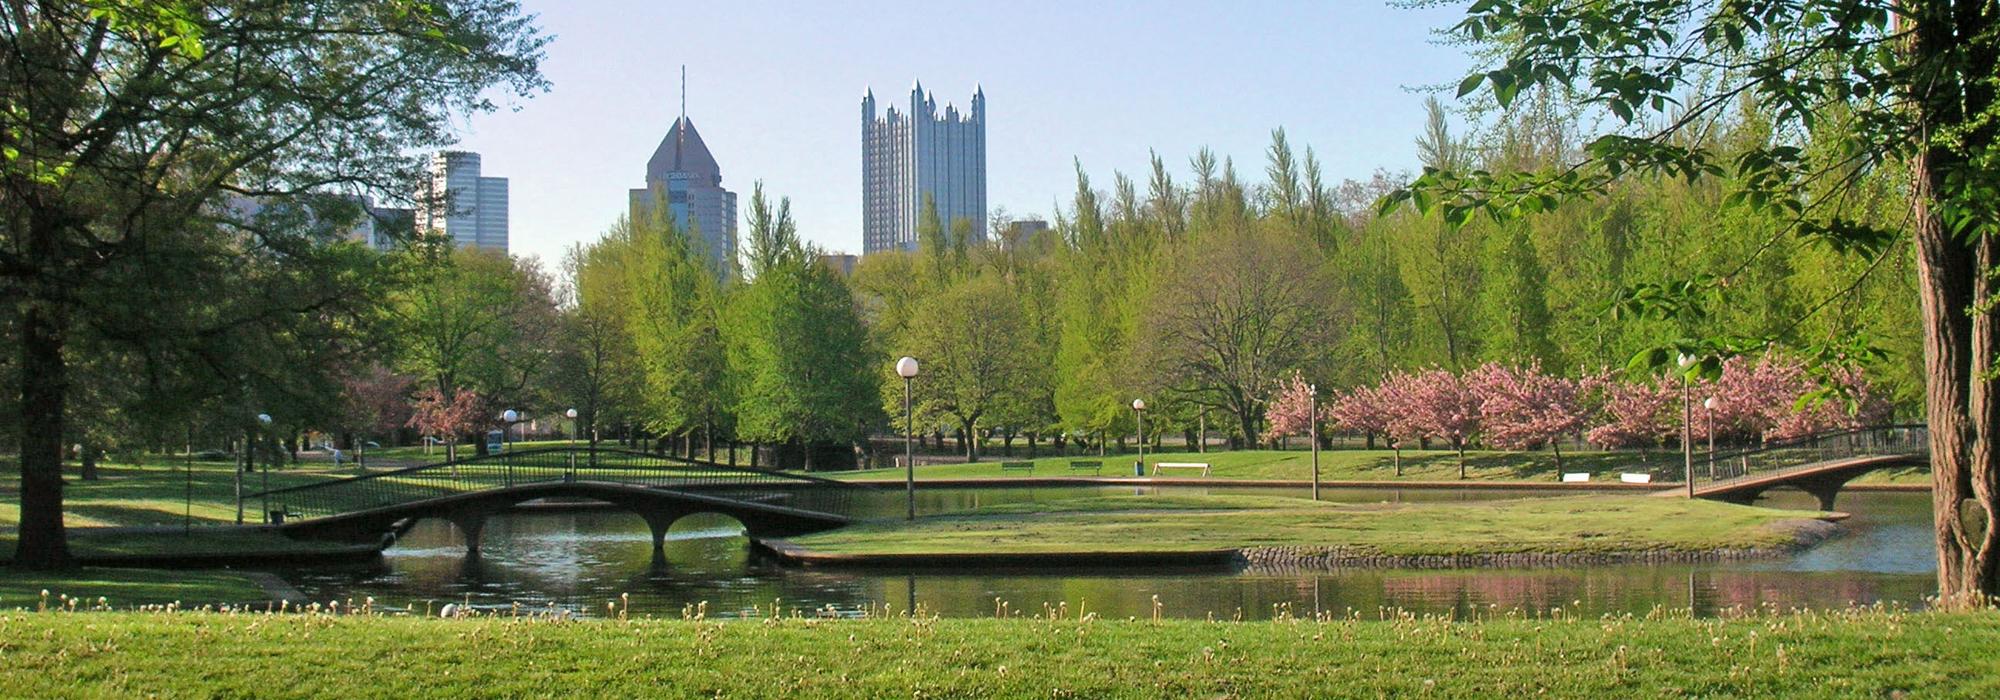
x,y
581,559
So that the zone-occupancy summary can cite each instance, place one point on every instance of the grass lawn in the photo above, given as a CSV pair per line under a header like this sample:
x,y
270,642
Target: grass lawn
x,y
1335,465
1576,524
156,492
122,588
1831,655
199,541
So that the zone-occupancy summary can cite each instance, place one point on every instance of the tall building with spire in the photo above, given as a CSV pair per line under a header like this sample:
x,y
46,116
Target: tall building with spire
x,y
684,175
908,156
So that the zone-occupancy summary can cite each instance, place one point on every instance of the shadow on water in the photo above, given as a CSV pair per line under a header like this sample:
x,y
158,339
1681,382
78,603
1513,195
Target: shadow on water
x,y
580,560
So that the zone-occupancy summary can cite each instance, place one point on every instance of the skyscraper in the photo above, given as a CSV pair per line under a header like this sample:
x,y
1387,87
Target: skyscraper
x,y
462,204
908,156
685,174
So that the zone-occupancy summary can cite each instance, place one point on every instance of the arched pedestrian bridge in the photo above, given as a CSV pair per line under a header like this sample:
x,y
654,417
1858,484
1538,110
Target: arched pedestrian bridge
x,y
1818,464
661,489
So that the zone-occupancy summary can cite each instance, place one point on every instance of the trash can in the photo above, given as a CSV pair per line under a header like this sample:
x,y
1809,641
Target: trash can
x,y
1138,469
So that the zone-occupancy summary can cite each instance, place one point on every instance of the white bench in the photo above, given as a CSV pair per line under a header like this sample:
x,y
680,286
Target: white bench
x,y
1158,466
1573,477
1631,478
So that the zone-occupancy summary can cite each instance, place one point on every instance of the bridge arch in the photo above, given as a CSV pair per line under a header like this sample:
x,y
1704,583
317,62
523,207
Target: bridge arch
x,y
1820,465
661,490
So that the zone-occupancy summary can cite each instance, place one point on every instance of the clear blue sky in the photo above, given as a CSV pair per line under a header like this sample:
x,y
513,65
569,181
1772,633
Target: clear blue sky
x,y
775,89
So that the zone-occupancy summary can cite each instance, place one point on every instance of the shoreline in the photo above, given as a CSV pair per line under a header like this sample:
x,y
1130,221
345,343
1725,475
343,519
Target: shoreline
x,y
1431,485
1806,533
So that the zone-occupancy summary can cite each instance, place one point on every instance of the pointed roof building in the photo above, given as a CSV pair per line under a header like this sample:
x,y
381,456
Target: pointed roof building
x,y
683,151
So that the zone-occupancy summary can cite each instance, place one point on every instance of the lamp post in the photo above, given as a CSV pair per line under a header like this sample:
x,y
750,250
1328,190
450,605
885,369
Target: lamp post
x,y
1139,412
907,369
571,414
263,424
1708,422
1687,424
507,419
1312,430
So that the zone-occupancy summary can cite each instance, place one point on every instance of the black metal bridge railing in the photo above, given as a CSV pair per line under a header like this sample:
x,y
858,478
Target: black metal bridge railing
x,y
1779,457
555,465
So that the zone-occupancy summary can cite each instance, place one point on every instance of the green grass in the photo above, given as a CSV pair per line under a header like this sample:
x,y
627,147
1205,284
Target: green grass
x,y
122,588
1848,654
1335,465
199,541
157,492
1579,524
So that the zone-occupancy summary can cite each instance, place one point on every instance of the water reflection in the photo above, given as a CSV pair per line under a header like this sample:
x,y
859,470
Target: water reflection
x,y
582,559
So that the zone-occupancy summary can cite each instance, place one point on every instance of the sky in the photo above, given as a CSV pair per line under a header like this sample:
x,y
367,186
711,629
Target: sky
x,y
775,90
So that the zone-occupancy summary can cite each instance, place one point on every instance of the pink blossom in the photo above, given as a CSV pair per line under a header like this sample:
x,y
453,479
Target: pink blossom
x,y
1289,412
1522,408
1640,414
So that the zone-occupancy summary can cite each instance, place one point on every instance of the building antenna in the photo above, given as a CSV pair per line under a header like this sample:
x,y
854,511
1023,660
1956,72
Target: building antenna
x,y
684,91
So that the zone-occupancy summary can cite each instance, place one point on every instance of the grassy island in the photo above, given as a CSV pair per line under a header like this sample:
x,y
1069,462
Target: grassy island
x,y
1810,655
1567,525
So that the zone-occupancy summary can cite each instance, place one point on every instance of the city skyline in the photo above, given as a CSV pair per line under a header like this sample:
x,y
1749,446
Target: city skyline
x,y
782,101
920,160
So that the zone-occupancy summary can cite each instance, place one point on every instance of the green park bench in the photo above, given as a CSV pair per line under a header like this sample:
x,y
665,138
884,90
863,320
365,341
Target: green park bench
x,y
1095,466
1017,466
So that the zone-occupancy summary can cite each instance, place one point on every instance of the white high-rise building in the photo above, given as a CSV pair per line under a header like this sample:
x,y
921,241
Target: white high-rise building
x,y
469,208
907,157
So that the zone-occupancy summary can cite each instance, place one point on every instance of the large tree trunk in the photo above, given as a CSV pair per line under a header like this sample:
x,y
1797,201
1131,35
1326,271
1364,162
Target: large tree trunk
x,y
969,439
88,459
42,544
1959,332
1248,420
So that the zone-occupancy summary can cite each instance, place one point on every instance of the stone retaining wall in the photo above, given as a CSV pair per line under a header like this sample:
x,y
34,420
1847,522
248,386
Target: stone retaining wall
x,y
1805,534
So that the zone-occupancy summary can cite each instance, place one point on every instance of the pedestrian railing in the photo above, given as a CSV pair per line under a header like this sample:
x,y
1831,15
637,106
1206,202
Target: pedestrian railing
x,y
1721,468
555,465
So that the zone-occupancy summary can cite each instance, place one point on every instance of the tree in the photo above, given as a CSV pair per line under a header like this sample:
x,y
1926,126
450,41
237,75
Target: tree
x,y
435,416
974,345
479,320
1362,409
1522,408
1290,409
1863,86
1641,414
129,121
1434,404
796,346
673,320
1254,305
596,367
376,402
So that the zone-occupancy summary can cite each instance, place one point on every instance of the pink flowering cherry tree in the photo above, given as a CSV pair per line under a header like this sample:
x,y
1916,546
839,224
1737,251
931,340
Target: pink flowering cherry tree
x,y
1523,408
1434,403
447,419
1637,414
1289,412
1363,409
1845,403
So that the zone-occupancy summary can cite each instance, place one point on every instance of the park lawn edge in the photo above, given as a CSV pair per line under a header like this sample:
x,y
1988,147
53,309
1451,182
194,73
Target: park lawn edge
x,y
1267,532
1848,653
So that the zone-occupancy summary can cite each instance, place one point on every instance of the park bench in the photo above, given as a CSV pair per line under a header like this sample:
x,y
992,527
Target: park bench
x,y
1631,478
1162,466
1573,477
1096,466
1017,466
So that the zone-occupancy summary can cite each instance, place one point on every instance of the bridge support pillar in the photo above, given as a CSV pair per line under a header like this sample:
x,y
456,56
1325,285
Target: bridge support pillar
x,y
658,523
469,523
1825,491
